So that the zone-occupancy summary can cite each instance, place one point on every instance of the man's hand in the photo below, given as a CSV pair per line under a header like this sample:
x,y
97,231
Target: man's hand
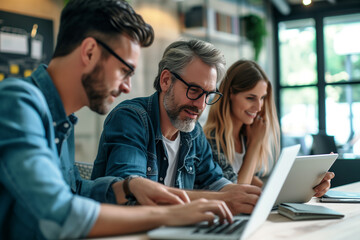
x,y
240,198
151,193
148,192
197,211
324,185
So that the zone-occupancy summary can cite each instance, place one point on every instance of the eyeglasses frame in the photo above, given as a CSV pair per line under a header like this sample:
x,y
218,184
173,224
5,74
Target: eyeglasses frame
x,y
112,52
177,76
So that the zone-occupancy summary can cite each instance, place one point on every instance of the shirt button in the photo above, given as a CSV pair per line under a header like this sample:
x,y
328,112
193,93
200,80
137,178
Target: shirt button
x,y
161,179
164,158
54,124
149,169
57,140
66,125
190,168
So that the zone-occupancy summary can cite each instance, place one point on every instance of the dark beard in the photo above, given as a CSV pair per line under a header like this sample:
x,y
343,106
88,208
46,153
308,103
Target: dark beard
x,y
95,90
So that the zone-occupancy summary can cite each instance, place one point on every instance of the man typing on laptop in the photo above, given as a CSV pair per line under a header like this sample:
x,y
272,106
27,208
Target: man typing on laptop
x,y
158,137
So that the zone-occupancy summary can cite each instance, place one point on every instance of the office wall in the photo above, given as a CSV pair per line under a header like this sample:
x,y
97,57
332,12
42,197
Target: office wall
x,y
49,9
159,13
163,16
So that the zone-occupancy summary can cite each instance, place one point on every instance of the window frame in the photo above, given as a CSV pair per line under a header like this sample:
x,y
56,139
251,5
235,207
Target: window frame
x,y
318,11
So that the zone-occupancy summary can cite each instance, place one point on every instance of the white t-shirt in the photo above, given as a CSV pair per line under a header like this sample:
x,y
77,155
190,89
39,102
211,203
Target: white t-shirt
x,y
172,149
239,157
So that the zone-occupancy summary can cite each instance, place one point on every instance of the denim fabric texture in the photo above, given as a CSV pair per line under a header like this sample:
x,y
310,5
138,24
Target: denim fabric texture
x,y
41,191
220,158
131,144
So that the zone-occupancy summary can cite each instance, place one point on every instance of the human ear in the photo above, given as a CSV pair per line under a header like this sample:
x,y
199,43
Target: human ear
x,y
165,80
89,53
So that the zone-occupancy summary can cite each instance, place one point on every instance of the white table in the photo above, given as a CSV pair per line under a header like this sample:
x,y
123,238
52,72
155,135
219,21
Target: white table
x,y
280,227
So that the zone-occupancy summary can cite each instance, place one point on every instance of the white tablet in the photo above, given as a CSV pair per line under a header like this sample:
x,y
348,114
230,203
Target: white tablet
x,y
306,173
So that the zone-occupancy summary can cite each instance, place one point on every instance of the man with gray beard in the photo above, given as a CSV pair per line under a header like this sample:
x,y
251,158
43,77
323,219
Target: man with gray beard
x,y
159,138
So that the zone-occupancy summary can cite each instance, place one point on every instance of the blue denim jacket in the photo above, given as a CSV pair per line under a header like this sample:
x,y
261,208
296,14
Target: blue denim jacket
x,y
131,144
39,186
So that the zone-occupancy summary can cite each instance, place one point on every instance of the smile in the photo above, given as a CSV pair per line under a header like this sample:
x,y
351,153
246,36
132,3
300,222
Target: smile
x,y
191,114
253,115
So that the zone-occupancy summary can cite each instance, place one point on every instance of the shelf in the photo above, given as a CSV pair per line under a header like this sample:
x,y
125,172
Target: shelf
x,y
203,33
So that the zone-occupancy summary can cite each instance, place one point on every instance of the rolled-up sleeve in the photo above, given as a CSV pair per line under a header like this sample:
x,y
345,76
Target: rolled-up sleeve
x,y
219,184
123,149
83,209
99,189
30,168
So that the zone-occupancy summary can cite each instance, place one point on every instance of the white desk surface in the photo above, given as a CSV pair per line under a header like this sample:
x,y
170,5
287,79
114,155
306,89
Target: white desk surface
x,y
280,227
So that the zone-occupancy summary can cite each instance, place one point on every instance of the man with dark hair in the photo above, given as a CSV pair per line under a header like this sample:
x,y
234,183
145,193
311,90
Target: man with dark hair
x,y
42,195
164,142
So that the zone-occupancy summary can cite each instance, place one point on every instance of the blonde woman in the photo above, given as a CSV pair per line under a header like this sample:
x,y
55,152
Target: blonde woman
x,y
243,129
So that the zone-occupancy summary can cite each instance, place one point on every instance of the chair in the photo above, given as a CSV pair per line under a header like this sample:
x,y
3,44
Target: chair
x,y
85,169
323,144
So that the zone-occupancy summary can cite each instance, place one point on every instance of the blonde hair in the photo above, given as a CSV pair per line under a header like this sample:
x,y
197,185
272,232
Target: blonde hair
x,y
242,76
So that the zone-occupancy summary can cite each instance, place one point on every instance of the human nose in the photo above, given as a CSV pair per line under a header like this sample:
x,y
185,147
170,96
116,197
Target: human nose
x,y
125,85
200,102
258,105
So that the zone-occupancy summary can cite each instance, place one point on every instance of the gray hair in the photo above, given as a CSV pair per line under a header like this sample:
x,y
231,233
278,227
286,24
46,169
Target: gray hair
x,y
180,53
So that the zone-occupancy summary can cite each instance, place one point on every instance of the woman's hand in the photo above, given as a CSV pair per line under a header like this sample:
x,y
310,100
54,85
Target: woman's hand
x,y
324,185
256,181
256,131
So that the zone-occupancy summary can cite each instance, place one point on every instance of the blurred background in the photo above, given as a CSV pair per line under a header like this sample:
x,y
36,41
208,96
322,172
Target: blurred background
x,y
309,49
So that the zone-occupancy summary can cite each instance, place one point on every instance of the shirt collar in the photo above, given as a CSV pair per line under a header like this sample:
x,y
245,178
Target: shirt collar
x,y
43,81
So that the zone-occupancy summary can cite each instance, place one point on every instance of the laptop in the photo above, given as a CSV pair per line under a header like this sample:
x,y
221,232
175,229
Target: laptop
x,y
306,173
243,225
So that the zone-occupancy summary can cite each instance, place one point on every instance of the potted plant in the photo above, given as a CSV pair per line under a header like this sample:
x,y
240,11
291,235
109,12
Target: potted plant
x,y
255,31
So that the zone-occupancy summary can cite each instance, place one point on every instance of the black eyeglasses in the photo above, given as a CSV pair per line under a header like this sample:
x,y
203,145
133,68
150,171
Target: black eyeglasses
x,y
128,73
195,92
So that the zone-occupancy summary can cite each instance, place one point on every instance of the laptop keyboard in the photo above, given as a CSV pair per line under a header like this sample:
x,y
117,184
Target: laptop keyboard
x,y
218,228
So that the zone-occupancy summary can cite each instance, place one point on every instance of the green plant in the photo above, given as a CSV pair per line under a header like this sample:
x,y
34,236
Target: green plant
x,y
255,32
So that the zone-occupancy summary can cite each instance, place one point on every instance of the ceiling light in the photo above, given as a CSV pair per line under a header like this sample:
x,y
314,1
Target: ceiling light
x,y
306,2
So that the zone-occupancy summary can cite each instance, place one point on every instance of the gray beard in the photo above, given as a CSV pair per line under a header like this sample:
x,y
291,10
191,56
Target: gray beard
x,y
186,125
183,125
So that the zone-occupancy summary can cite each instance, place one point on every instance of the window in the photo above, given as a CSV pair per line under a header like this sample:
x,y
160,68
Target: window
x,y
299,110
342,48
342,65
297,52
319,79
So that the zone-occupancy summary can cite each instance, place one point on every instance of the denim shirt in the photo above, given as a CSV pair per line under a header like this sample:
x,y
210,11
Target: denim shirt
x,y
39,186
131,144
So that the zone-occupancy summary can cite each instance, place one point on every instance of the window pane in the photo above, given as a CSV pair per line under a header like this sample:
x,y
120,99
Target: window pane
x,y
297,52
299,116
342,48
343,116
